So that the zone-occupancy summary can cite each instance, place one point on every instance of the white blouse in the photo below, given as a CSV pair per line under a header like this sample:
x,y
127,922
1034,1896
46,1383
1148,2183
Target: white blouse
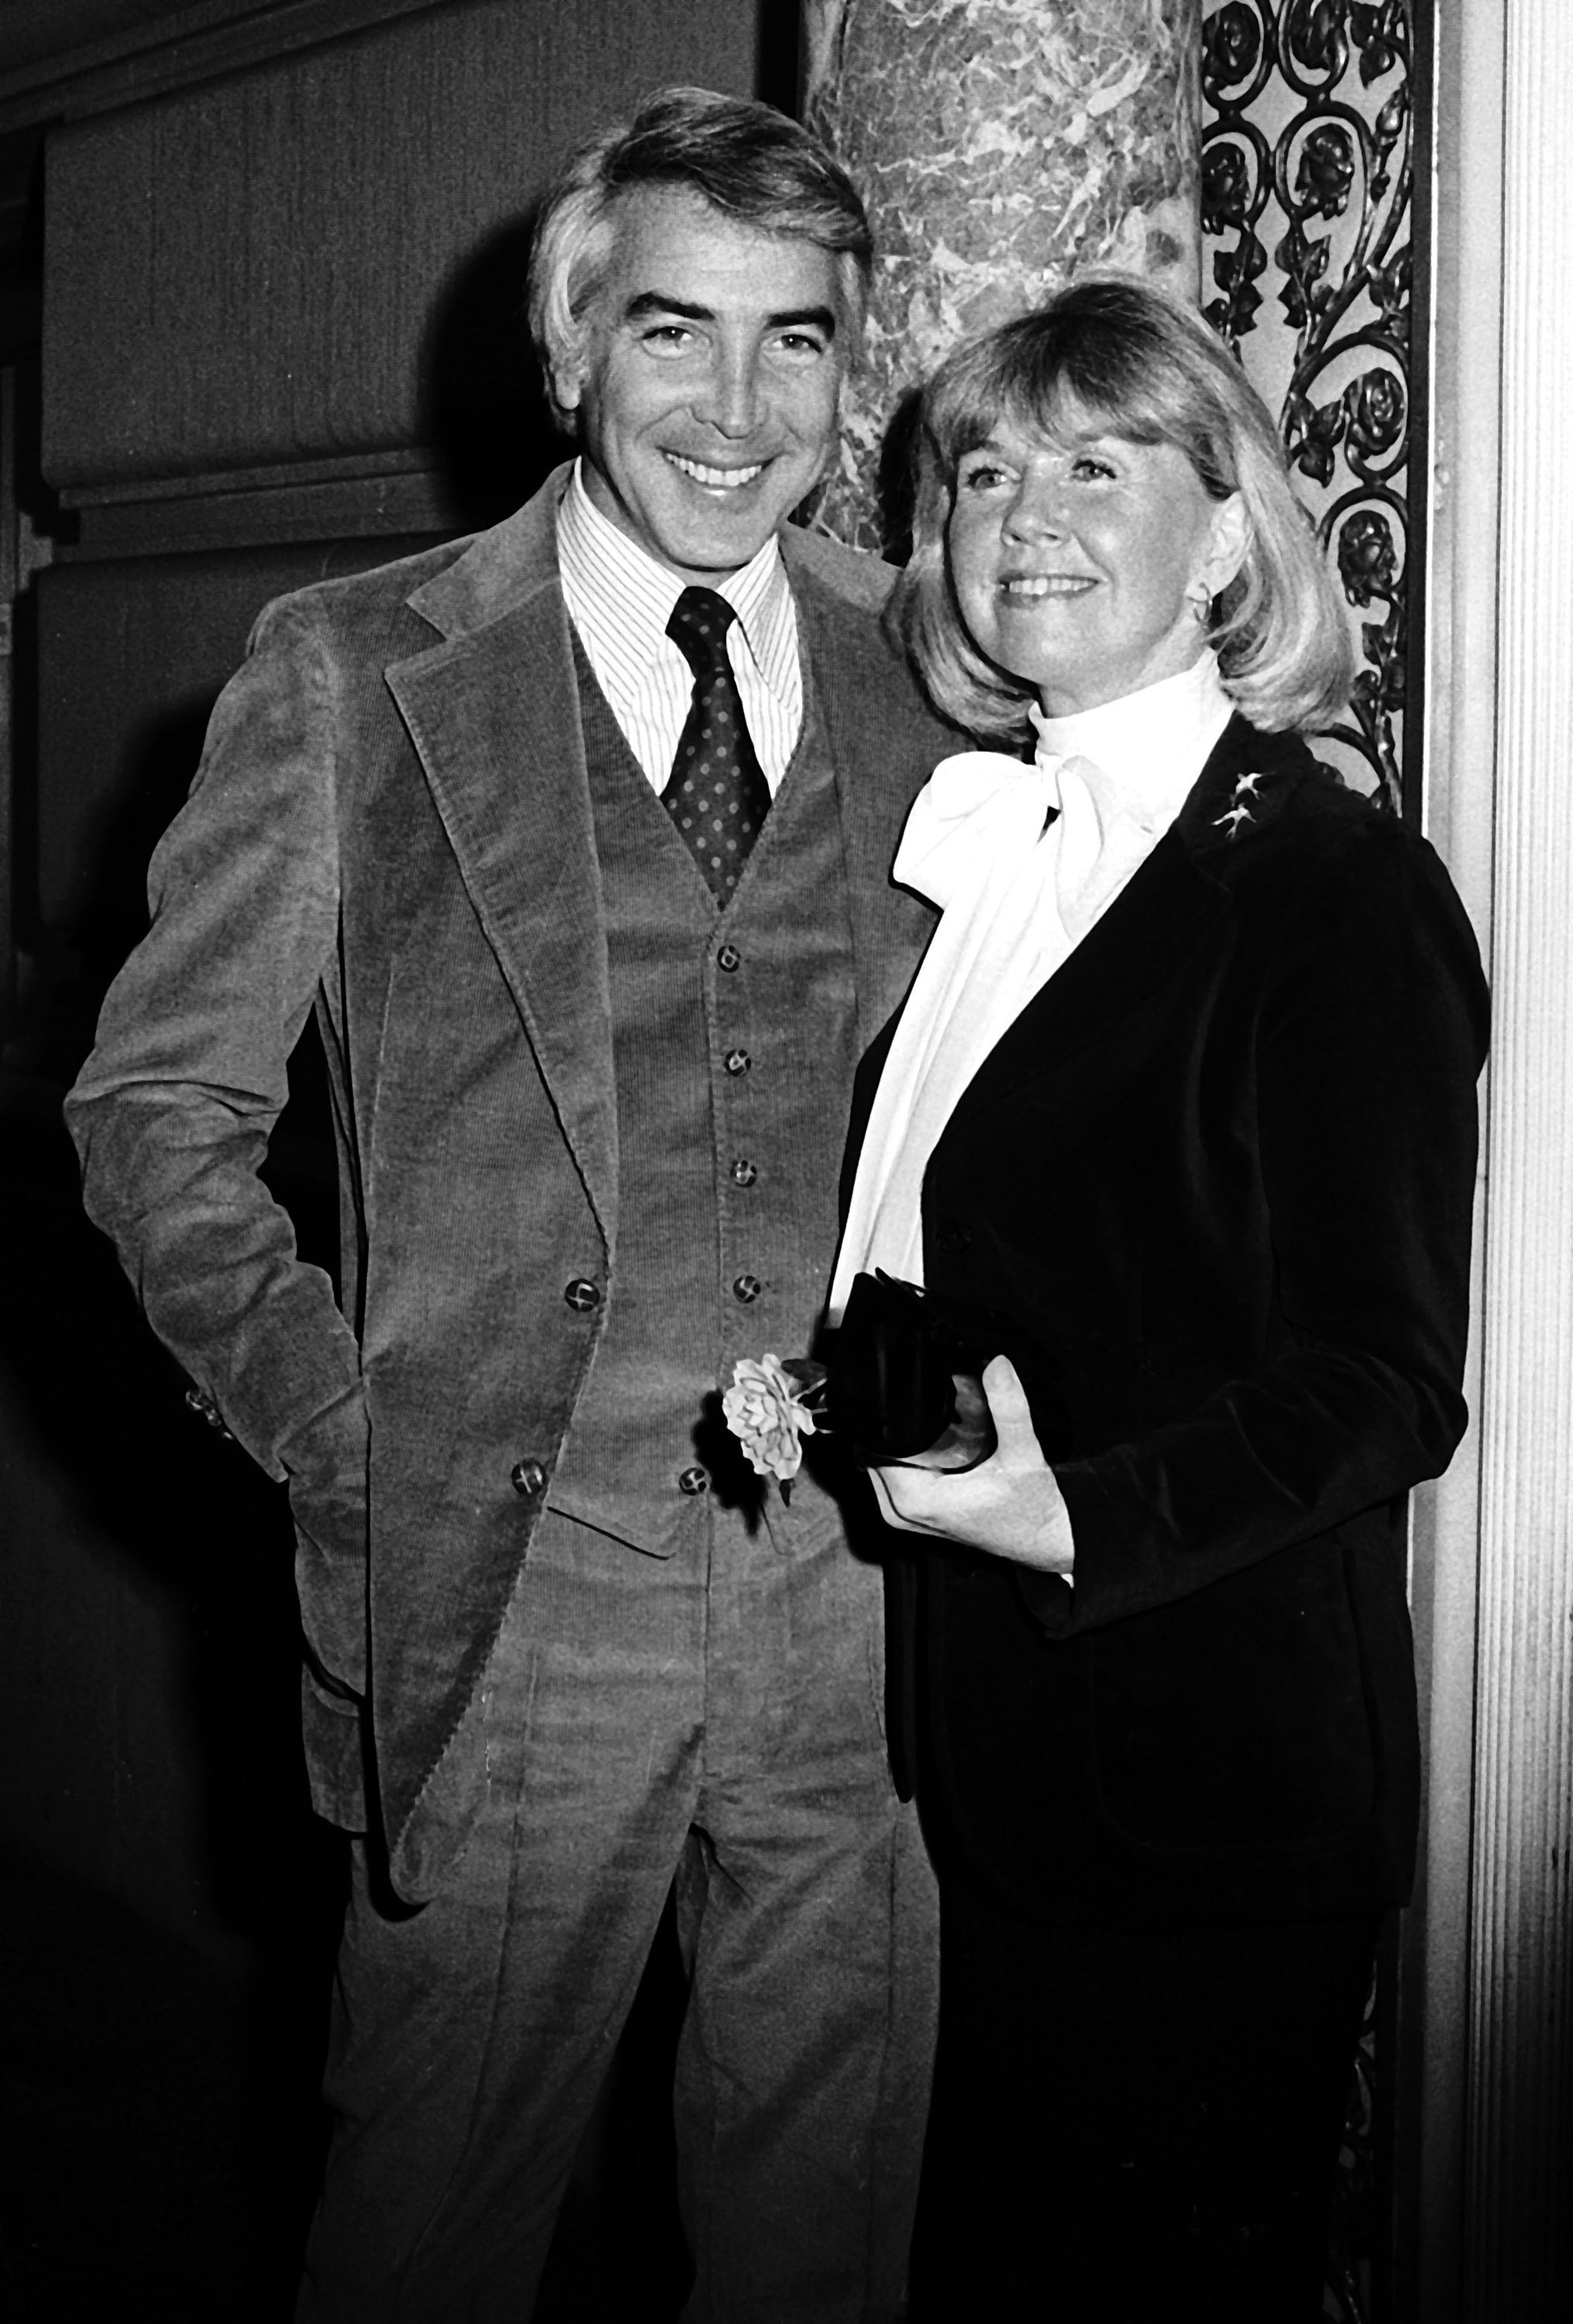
x,y
1022,861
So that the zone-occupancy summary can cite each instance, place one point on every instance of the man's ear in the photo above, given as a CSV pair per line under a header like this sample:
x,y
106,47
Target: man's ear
x,y
1230,539
567,377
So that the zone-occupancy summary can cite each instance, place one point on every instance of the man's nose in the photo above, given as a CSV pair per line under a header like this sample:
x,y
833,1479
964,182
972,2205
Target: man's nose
x,y
730,402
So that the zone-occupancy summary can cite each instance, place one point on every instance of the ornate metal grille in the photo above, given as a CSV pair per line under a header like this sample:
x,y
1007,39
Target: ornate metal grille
x,y
1309,143
1313,114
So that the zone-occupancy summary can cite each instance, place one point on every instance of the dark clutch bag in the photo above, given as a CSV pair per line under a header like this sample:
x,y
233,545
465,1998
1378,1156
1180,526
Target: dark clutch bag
x,y
904,1377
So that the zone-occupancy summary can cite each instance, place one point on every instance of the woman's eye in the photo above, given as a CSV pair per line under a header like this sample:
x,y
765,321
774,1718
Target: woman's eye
x,y
1089,468
981,477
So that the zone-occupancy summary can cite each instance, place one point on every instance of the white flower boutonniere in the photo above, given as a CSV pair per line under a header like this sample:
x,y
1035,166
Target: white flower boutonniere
x,y
770,1408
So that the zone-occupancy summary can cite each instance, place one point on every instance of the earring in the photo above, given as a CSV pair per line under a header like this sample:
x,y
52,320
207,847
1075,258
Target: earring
x,y
1200,605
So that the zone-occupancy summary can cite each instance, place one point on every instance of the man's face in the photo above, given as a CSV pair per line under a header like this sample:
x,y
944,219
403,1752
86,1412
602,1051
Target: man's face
x,y
708,381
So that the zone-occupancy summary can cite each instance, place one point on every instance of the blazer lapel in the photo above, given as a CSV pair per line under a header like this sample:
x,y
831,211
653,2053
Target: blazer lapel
x,y
1123,963
1172,904
494,714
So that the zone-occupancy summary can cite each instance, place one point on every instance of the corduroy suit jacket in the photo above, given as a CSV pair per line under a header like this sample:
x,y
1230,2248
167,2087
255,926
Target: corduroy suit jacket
x,y
392,824
1215,1187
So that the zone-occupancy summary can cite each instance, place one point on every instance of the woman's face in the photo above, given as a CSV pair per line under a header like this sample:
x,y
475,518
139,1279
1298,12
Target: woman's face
x,y
1073,555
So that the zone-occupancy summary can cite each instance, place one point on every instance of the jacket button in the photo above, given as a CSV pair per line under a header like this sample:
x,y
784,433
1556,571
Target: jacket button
x,y
729,957
743,1173
527,1478
738,1061
747,1287
694,1480
582,1294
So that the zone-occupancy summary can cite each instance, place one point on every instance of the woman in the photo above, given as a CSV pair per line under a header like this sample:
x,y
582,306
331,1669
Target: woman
x,y
1182,1102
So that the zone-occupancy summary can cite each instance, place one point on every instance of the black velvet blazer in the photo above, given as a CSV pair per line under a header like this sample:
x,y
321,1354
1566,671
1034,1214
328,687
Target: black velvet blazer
x,y
1215,1184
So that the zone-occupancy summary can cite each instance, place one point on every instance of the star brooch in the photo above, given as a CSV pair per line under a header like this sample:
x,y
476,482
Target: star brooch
x,y
1238,810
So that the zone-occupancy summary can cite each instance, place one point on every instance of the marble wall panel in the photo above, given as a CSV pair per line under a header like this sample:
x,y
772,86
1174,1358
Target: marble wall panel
x,y
999,145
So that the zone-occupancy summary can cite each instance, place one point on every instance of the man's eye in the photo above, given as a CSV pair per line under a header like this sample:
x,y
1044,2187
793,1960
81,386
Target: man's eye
x,y
666,339
802,345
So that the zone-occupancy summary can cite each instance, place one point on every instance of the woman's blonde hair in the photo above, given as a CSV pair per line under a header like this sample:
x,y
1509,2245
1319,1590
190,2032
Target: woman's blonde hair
x,y
1123,355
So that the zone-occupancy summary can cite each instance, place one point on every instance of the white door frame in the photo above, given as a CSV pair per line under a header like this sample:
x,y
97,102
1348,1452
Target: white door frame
x,y
1486,1991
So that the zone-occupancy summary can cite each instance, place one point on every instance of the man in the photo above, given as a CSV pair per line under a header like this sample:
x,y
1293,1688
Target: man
x,y
492,818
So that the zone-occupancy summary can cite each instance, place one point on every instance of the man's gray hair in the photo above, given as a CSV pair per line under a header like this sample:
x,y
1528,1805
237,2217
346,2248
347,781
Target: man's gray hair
x,y
747,160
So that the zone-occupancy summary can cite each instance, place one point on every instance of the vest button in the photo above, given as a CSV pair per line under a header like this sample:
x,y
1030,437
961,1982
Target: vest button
x,y
729,957
582,1294
738,1061
527,1478
747,1287
694,1480
743,1173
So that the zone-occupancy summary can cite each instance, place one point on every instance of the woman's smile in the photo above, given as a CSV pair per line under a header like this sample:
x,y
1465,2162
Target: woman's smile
x,y
1045,585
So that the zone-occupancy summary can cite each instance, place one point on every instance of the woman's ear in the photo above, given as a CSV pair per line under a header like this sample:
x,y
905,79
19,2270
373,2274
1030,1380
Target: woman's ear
x,y
1229,538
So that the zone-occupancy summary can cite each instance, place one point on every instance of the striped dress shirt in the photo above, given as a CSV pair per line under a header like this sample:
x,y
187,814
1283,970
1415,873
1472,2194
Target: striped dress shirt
x,y
620,601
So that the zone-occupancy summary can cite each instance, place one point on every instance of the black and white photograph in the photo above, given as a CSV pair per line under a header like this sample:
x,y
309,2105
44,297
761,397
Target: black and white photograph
x,y
786,1150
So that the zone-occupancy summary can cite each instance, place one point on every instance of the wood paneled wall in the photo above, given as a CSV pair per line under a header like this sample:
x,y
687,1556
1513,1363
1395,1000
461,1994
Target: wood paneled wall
x,y
254,266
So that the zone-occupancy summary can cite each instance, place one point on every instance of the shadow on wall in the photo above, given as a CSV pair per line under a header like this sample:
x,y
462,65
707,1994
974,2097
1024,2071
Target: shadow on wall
x,y
484,412
166,2009
151,1655
895,480
169,1905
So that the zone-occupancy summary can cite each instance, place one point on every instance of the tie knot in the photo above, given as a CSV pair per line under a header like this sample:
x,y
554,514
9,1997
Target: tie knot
x,y
700,621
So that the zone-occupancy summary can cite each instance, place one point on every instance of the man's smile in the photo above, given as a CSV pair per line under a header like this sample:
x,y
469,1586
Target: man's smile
x,y
716,479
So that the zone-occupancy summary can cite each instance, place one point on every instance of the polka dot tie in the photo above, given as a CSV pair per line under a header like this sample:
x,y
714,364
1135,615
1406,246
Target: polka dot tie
x,y
716,793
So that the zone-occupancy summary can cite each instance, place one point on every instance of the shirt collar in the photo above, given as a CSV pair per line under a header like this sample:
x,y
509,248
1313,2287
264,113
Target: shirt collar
x,y
611,584
1149,746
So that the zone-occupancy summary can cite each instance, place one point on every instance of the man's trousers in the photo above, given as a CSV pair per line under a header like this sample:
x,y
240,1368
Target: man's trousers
x,y
640,1722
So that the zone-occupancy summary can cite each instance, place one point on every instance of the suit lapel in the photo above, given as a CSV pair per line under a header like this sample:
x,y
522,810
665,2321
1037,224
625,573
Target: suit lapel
x,y
889,926
494,714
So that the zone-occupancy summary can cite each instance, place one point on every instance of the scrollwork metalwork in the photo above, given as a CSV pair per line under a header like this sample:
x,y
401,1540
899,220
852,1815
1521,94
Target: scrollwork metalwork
x,y
1307,176
1347,2284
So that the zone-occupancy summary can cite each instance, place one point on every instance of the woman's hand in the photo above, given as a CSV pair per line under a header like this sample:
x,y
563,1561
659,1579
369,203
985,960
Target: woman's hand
x,y
1009,1506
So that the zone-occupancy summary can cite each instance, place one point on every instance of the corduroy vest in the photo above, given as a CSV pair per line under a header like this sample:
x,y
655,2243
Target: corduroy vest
x,y
734,1039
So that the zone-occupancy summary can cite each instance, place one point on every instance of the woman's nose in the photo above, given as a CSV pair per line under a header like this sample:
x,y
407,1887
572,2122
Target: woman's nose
x,y
1035,511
